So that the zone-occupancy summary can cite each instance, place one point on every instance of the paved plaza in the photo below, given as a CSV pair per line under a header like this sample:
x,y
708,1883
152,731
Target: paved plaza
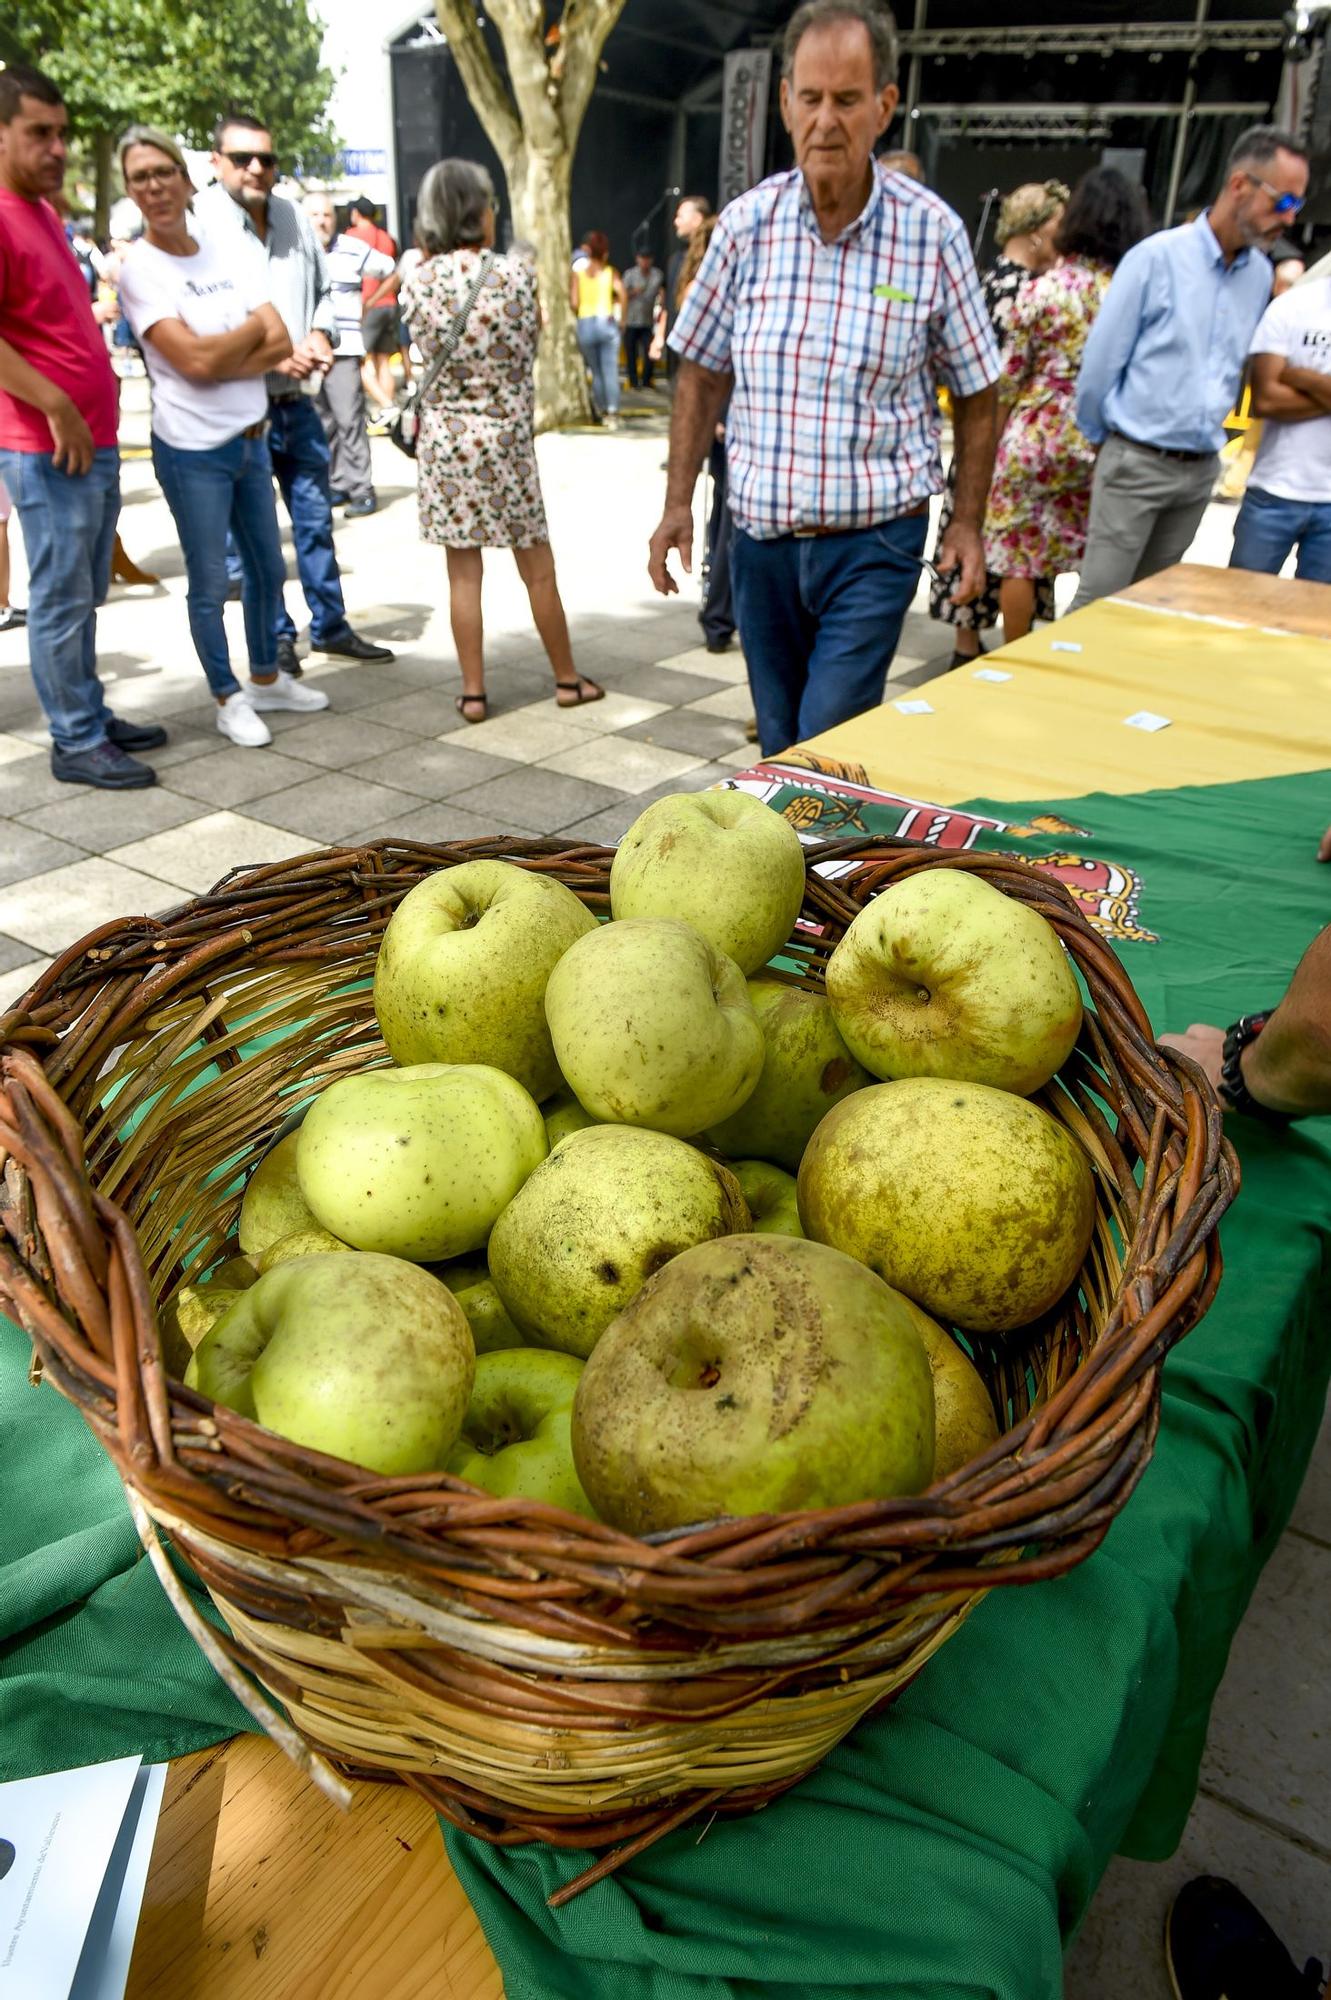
x,y
391,756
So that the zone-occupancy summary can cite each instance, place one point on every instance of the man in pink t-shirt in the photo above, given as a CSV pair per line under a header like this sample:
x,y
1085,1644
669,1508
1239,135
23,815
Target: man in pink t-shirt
x,y
58,451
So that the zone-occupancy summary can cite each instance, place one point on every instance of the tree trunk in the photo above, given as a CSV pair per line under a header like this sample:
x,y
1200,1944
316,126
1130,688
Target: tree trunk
x,y
538,187
103,153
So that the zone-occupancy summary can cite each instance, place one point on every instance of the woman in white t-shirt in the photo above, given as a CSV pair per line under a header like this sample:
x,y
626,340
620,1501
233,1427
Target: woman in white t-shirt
x,y
209,332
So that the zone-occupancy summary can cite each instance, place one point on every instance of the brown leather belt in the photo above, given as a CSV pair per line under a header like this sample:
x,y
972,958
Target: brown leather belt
x,y
810,533
255,430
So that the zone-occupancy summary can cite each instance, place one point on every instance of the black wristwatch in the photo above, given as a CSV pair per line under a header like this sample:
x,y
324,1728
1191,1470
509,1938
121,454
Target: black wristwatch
x,y
1234,1092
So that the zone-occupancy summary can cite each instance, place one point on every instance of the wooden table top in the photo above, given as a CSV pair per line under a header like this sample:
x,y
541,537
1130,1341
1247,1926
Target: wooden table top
x,y
259,1889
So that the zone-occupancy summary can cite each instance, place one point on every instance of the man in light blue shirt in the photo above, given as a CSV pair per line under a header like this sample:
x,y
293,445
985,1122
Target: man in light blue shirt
x,y
1164,361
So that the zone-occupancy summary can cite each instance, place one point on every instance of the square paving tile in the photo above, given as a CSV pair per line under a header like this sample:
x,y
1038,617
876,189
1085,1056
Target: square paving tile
x,y
664,684
622,763
98,820
185,743
617,711
711,666
13,951
26,783
527,735
736,702
197,855
537,799
740,759
686,729
52,910
337,741
424,713
26,850
230,777
331,807
605,829
440,821
435,770
17,981
13,748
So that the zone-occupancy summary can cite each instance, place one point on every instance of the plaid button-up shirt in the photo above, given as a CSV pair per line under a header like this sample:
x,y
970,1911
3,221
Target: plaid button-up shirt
x,y
837,350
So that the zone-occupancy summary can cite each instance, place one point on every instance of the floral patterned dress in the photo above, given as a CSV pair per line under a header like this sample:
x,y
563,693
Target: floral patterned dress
x,y
1041,492
1000,287
477,483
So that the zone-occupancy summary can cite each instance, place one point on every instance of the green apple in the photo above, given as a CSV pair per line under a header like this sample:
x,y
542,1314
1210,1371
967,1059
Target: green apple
x,y
418,1162
974,1202
772,1196
515,1435
964,1421
273,1205
311,1242
564,1114
807,1068
462,968
185,1319
491,1327
723,862
652,1026
753,1375
364,1357
944,975
610,1206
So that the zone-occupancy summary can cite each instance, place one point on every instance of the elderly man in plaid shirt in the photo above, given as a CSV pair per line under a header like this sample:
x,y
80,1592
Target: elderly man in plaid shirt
x,y
834,298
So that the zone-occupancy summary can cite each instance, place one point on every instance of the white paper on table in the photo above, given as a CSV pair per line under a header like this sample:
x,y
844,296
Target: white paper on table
x,y
990,674
913,707
103,1969
1144,719
1065,645
57,1834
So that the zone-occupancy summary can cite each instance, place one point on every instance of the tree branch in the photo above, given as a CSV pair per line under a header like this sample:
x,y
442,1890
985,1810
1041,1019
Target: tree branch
x,y
521,25
584,29
481,80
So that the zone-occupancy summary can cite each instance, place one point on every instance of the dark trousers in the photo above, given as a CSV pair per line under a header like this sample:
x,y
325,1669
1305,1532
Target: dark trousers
x,y
638,356
819,620
717,616
341,407
300,461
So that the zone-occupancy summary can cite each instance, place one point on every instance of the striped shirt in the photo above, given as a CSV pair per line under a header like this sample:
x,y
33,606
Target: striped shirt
x,y
837,350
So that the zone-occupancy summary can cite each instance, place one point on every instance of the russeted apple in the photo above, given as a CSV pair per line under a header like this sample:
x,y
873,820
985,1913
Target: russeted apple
x,y
363,1357
515,1434
418,1162
943,975
461,972
653,1026
807,1068
974,1202
723,862
753,1375
584,1233
964,1421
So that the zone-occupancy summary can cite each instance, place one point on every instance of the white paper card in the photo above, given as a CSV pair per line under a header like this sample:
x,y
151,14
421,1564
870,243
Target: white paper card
x,y
103,1970
1144,719
913,707
57,1834
990,674
1065,645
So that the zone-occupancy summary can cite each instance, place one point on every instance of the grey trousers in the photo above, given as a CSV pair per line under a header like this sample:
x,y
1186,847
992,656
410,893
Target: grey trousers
x,y
1144,513
341,407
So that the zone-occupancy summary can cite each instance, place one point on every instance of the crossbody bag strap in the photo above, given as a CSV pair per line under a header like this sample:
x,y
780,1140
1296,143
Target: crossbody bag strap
x,y
453,333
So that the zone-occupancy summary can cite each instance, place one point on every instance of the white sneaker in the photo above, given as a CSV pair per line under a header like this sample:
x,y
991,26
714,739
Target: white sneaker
x,y
287,692
236,719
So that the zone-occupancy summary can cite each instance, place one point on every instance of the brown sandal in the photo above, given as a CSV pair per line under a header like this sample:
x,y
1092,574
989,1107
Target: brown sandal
x,y
581,690
462,702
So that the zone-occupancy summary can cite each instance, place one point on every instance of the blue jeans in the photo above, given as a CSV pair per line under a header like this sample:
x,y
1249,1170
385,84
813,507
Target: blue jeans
x,y
300,460
228,486
69,529
599,341
1268,527
819,619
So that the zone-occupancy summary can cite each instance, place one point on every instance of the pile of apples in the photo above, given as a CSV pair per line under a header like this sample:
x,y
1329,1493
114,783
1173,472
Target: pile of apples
x,y
560,1250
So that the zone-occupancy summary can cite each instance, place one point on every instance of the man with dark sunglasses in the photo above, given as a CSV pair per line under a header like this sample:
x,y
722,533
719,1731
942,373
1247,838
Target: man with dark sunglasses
x,y
242,202
1163,364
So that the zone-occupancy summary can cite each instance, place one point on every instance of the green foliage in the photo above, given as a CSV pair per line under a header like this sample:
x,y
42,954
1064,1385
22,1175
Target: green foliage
x,y
121,62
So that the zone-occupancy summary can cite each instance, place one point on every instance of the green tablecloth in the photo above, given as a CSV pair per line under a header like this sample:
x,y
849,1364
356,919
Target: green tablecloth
x,y
951,1846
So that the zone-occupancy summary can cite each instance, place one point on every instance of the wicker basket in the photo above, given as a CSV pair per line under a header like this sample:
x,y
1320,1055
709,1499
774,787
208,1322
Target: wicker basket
x,y
536,1675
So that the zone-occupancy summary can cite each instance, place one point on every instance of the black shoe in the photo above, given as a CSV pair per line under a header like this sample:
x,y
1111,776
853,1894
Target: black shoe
x,y
338,499
11,618
107,767
720,645
287,661
355,508
135,735
1219,1947
352,647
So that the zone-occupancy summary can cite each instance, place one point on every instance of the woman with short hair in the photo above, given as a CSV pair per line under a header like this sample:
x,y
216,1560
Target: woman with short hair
x,y
209,332
477,482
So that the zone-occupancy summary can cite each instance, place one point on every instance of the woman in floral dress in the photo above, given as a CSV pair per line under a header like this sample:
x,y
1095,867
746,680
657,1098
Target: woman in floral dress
x,y
477,482
1040,495
1027,222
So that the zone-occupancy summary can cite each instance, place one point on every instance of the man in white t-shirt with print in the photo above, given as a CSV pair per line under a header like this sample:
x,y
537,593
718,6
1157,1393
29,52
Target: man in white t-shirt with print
x,y
1288,502
341,403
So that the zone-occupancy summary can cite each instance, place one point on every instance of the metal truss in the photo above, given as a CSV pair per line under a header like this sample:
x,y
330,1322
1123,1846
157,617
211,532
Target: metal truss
x,y
1151,38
